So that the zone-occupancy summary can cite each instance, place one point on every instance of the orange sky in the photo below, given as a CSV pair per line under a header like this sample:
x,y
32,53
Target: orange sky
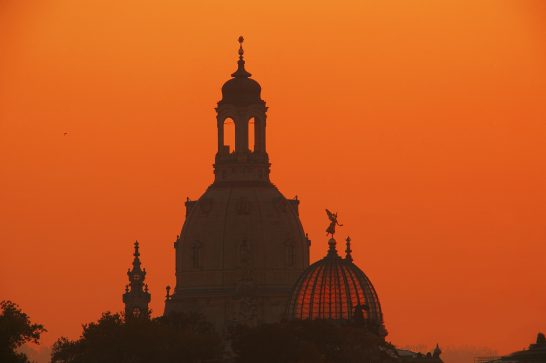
x,y
422,122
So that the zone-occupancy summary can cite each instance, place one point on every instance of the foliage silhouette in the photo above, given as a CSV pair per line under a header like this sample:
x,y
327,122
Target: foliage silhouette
x,y
16,329
174,338
316,341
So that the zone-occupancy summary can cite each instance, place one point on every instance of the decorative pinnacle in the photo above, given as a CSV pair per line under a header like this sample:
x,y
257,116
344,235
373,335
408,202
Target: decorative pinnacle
x,y
241,50
241,71
348,250
136,260
332,247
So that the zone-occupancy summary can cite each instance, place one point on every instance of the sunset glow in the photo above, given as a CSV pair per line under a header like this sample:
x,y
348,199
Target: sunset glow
x,y
423,123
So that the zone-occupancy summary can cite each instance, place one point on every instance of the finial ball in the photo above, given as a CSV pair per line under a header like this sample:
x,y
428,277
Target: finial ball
x,y
241,39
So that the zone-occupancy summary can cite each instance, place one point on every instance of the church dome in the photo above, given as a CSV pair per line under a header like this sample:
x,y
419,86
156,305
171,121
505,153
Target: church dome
x,y
242,245
335,288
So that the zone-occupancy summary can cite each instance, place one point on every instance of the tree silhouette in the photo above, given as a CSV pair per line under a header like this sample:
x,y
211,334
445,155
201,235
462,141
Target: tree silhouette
x,y
16,329
317,341
174,338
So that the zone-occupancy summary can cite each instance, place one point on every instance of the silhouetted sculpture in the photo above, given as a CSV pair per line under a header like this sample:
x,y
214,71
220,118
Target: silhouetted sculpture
x,y
136,297
358,314
331,230
242,244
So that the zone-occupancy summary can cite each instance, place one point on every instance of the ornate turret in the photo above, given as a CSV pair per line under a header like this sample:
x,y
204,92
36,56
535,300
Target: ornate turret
x,y
241,107
136,297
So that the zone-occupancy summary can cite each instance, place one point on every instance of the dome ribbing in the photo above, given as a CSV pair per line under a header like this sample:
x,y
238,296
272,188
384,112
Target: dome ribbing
x,y
335,288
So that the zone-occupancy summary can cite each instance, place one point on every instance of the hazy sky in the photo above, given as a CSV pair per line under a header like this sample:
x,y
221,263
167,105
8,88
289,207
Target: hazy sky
x,y
423,123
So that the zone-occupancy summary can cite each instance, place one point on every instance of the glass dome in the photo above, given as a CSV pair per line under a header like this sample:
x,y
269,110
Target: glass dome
x,y
335,288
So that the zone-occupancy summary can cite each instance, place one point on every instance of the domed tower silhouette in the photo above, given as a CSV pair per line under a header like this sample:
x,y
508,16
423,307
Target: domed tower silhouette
x,y
334,288
136,297
242,245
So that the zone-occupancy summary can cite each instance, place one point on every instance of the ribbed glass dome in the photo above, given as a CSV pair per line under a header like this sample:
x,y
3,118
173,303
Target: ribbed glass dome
x,y
335,288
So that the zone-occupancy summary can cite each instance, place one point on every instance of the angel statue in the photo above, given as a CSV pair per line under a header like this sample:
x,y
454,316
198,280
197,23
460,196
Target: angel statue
x,y
333,223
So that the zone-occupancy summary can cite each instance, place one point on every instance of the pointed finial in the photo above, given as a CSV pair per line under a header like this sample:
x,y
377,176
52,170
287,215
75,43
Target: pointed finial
x,y
136,260
332,247
241,71
348,250
241,50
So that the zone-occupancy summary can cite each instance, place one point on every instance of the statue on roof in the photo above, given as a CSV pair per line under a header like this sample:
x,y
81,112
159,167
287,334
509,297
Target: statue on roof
x,y
333,223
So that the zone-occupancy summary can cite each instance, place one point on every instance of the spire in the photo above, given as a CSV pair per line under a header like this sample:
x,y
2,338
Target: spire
x,y
137,296
241,50
241,71
136,253
348,250
136,260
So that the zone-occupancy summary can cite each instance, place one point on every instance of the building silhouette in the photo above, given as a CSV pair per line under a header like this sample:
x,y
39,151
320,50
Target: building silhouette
x,y
242,244
242,256
136,297
536,353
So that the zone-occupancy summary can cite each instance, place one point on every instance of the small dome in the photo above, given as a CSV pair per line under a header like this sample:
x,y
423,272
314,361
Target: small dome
x,y
241,90
335,288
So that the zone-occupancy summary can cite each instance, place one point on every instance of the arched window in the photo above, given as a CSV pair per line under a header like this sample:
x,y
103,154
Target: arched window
x,y
289,253
196,254
251,134
229,135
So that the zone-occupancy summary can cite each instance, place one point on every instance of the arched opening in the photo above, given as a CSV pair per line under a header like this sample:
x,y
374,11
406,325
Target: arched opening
x,y
289,253
229,136
196,254
251,134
